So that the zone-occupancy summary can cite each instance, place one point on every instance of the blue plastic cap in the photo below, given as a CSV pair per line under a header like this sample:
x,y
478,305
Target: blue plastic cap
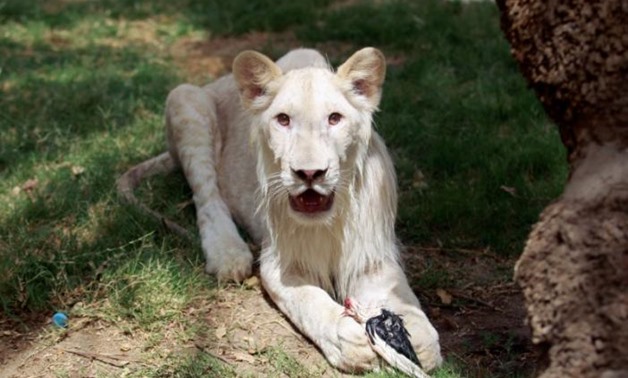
x,y
60,320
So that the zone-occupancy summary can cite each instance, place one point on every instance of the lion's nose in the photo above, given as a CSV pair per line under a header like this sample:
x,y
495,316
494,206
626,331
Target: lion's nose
x,y
310,175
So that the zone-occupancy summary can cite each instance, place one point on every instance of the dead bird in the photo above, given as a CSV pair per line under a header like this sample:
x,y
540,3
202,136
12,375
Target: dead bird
x,y
388,337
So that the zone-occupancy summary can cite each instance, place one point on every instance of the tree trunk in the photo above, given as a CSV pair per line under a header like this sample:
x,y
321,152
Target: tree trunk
x,y
574,269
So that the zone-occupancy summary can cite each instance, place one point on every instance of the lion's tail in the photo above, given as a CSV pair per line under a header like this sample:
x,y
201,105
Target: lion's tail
x,y
127,183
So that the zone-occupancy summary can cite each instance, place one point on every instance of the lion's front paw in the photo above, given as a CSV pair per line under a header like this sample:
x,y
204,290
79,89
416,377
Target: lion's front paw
x,y
430,356
424,338
353,353
230,264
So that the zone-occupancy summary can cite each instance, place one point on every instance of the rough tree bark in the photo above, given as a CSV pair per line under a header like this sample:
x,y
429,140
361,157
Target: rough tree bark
x,y
574,269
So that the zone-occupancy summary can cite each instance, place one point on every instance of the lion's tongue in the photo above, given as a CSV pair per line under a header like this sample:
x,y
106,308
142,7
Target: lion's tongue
x,y
311,201
311,198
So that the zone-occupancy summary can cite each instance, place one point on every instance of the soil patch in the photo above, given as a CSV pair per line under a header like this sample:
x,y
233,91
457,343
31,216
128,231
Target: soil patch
x,y
87,349
478,311
480,318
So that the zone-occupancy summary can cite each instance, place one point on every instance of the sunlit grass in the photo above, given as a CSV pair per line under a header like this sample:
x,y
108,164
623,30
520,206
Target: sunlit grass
x,y
149,291
76,112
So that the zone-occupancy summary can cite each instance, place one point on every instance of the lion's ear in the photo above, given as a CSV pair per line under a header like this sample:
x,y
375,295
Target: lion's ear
x,y
253,72
366,71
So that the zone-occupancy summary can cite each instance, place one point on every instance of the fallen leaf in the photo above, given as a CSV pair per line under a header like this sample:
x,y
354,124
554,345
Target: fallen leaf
x,y
221,332
509,189
77,170
30,184
182,205
444,296
251,282
252,345
241,356
418,180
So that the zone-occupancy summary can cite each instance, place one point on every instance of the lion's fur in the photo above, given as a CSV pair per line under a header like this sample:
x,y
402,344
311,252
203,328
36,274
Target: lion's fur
x,y
340,249
332,253
242,165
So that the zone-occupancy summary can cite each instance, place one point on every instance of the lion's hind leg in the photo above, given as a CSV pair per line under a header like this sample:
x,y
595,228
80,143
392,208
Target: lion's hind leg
x,y
194,142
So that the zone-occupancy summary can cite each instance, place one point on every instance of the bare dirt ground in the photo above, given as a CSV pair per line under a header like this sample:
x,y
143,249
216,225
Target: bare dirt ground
x,y
479,313
480,320
245,330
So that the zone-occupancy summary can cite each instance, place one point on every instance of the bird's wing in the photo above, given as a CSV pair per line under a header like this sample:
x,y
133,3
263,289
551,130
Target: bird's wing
x,y
393,358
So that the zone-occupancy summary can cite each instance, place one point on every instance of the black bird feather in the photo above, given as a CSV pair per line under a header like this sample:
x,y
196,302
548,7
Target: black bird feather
x,y
389,327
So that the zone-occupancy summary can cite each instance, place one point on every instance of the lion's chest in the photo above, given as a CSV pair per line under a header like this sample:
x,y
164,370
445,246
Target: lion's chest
x,y
320,255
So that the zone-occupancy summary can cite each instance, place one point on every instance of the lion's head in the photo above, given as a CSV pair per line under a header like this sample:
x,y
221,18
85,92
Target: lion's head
x,y
311,125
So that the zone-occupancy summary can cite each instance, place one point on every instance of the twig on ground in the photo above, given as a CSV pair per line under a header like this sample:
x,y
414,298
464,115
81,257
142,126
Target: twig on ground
x,y
104,358
298,336
462,251
459,294
212,354
456,355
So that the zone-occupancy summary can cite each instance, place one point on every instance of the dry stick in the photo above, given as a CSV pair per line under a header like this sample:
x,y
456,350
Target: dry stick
x,y
462,251
99,357
298,336
32,354
458,356
209,352
476,300
131,180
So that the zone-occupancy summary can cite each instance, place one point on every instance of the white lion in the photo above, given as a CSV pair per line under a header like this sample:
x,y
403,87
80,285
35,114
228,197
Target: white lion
x,y
288,151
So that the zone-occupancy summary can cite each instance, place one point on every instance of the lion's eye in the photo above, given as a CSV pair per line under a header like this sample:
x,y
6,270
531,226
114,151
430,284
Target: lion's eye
x,y
334,118
283,119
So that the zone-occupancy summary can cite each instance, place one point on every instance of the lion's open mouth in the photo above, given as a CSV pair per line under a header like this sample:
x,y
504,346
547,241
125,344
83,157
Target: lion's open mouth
x,y
311,201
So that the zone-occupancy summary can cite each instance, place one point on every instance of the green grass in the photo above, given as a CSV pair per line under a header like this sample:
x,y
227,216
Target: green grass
x,y
198,365
82,87
458,112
